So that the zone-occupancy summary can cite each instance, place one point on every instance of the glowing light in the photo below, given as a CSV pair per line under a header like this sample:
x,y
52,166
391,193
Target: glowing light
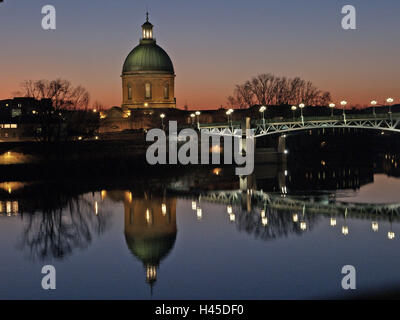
x,y
375,226
199,213
389,100
333,222
151,273
391,235
343,103
148,216
103,194
295,217
229,209
332,105
217,171
194,205
163,209
262,213
345,230
301,105
216,149
294,108
374,102
232,217
198,113
96,208
263,108
264,221
303,225
162,115
192,115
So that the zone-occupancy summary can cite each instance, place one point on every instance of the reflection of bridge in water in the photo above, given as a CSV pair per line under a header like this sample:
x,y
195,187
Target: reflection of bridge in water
x,y
325,204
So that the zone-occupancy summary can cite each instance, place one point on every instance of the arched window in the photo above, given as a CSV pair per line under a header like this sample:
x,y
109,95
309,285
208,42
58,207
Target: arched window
x,y
166,91
129,92
147,94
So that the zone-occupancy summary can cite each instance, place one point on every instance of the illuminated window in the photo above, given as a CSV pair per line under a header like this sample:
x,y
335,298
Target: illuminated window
x,y
148,90
166,91
7,126
13,126
129,92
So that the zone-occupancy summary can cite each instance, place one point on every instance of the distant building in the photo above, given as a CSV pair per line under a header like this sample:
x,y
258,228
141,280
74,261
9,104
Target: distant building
x,y
18,117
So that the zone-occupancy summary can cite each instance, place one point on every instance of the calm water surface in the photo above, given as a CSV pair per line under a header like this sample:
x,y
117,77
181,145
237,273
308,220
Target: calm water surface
x,y
163,241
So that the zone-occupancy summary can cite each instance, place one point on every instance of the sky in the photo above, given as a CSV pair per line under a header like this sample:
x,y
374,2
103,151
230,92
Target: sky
x,y
214,45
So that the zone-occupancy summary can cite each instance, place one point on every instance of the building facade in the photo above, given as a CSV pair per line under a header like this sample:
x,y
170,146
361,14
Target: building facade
x,y
148,76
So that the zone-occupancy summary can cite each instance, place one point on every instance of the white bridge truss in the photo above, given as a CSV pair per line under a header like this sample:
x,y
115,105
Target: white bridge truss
x,y
259,128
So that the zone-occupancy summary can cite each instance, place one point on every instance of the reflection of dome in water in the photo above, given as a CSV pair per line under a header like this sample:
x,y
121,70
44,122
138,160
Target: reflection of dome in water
x,y
150,229
151,250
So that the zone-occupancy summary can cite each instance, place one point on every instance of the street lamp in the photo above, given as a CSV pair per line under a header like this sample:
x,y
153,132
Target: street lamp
x,y
262,110
343,104
390,101
192,115
198,113
373,104
162,116
293,108
229,112
301,106
332,106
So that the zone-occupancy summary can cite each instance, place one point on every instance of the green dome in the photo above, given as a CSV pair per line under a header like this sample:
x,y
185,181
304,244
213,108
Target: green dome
x,y
148,56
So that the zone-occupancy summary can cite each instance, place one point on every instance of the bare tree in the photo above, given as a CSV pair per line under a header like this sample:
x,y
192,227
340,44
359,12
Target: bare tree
x,y
267,89
64,98
61,92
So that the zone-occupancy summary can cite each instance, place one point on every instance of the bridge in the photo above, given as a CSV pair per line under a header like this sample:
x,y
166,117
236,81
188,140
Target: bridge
x,y
382,122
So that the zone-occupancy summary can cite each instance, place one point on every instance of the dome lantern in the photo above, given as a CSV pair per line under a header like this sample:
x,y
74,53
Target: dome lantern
x,y
147,29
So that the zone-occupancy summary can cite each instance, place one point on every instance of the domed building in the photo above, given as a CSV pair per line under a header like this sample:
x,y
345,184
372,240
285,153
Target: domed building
x,y
148,76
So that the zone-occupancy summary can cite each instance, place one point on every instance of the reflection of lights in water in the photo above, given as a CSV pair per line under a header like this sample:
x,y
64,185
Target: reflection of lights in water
x,y
217,171
232,217
96,208
333,222
229,209
391,235
9,207
295,217
199,213
264,221
151,273
262,213
148,216
345,230
194,205
103,194
303,225
375,226
163,209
